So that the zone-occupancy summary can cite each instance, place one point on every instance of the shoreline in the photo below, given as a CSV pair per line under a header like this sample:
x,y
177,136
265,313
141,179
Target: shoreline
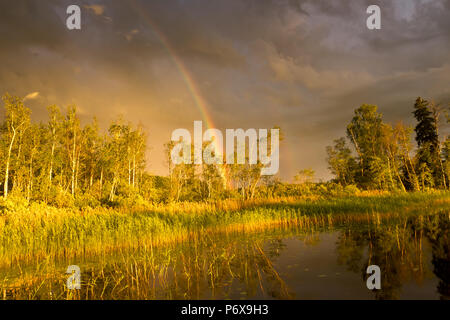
x,y
40,233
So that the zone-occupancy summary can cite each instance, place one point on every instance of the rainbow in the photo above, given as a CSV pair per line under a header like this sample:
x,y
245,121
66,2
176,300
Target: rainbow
x,y
187,78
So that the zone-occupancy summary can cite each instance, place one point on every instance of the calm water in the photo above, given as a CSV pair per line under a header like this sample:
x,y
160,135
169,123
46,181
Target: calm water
x,y
278,264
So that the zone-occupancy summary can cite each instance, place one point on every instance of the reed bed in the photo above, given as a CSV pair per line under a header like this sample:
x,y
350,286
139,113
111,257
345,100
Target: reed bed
x,y
231,265
40,232
199,263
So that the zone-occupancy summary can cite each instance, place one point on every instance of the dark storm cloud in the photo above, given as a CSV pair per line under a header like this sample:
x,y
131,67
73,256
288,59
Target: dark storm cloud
x,y
302,64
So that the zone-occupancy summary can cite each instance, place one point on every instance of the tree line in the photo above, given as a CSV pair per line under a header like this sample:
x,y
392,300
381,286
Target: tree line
x,y
64,163
378,155
61,159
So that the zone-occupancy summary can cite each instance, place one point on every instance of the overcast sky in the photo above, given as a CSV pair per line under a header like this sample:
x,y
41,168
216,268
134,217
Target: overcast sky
x,y
304,65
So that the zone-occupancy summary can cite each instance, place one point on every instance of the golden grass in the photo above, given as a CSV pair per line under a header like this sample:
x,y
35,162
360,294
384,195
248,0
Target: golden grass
x,y
41,232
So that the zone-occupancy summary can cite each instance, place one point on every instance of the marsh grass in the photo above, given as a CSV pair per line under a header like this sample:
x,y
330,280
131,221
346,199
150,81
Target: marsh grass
x,y
199,268
235,263
39,233
230,265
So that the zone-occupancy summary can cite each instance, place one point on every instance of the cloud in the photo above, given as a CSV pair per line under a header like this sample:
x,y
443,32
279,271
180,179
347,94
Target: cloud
x,y
31,96
97,9
302,64
129,36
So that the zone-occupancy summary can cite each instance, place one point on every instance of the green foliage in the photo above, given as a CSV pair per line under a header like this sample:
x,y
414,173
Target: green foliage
x,y
383,153
365,131
64,163
426,128
59,198
86,200
428,153
341,162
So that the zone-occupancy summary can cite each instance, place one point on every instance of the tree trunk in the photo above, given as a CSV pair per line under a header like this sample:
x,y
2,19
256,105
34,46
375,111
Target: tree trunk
x,y
111,193
91,178
134,170
74,161
8,160
30,182
101,183
50,174
358,151
77,165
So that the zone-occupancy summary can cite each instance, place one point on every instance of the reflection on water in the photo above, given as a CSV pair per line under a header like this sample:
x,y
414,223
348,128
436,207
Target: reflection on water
x,y
413,255
439,237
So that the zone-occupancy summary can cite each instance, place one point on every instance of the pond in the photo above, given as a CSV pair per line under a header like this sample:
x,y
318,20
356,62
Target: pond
x,y
280,263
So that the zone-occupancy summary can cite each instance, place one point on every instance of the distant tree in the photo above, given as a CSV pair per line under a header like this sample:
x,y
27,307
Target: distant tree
x,y
247,177
182,176
428,163
405,147
441,176
341,162
17,121
391,144
72,143
365,131
91,154
118,153
305,176
54,136
446,152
